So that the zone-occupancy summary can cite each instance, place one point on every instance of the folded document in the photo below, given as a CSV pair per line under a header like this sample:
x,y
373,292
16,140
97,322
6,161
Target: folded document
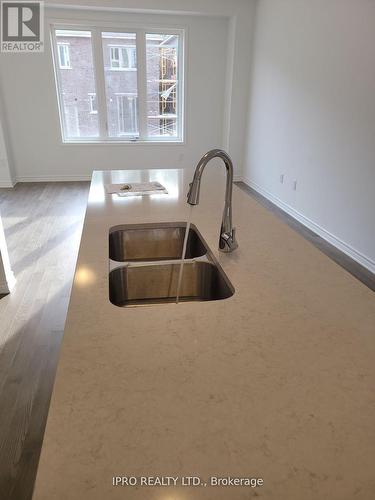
x,y
136,188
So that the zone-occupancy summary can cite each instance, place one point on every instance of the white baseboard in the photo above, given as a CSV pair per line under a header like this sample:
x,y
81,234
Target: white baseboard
x,y
6,184
359,257
53,178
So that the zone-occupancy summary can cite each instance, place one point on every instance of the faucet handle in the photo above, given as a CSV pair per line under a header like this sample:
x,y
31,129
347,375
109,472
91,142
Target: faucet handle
x,y
228,241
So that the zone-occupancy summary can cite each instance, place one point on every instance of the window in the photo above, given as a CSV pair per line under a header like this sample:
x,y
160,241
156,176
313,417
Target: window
x,y
110,96
64,57
126,106
123,58
76,85
162,95
121,88
92,103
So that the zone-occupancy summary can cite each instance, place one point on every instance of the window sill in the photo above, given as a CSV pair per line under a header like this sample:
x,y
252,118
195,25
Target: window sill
x,y
176,142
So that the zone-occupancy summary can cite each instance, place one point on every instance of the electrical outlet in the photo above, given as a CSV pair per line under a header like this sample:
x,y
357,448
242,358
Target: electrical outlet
x,y
294,185
282,178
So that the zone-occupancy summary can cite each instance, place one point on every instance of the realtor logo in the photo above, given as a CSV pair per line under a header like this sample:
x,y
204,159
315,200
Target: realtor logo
x,y
22,26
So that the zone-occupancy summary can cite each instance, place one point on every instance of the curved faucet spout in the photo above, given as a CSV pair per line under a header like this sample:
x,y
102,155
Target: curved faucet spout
x,y
227,239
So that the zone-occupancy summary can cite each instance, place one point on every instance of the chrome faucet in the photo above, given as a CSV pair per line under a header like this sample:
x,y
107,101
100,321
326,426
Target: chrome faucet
x,y
227,238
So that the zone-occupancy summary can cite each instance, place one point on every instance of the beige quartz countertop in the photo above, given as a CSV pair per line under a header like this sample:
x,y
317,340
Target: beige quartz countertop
x,y
276,382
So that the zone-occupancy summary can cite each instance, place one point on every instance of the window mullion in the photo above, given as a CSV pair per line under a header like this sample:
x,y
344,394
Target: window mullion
x,y
142,84
100,82
55,51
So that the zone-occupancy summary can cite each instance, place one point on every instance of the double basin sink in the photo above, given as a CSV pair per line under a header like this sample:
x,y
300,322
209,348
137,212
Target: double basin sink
x,y
145,262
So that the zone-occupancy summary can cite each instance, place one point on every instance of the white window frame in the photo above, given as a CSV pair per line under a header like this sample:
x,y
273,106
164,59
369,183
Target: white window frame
x,y
65,46
97,49
121,66
120,95
92,99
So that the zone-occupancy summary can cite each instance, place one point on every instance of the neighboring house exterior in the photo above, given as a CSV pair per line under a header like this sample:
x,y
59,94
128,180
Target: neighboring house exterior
x,y
77,84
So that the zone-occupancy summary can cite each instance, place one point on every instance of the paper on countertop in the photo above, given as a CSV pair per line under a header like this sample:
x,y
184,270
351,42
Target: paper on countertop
x,y
136,188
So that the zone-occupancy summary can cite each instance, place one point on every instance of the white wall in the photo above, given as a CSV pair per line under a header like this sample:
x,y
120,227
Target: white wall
x,y
312,117
6,175
241,30
192,7
30,98
212,97
7,279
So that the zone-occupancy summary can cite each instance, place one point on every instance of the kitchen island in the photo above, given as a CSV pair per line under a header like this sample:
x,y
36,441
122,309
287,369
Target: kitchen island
x,y
275,382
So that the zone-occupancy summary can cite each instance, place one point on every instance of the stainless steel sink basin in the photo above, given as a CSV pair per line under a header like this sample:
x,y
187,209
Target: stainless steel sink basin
x,y
153,242
157,283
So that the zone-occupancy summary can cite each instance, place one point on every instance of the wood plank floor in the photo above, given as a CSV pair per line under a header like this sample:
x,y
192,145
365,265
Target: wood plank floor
x,y
42,224
343,260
